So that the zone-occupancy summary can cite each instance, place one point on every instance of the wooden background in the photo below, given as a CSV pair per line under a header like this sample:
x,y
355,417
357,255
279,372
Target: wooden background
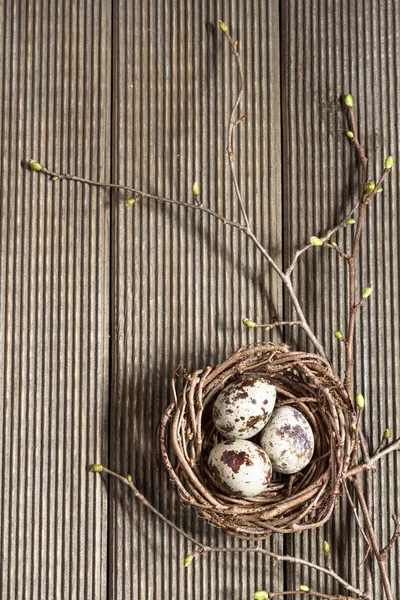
x,y
100,302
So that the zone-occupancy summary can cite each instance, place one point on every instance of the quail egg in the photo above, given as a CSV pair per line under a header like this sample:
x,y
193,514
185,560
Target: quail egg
x,y
243,408
288,440
240,468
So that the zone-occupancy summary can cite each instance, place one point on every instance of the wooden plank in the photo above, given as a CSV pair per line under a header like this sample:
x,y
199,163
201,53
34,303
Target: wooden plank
x,y
180,282
331,48
54,249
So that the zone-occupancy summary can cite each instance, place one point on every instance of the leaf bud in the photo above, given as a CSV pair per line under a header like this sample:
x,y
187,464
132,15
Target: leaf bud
x,y
188,560
366,292
326,547
261,595
338,335
304,588
350,135
195,189
316,241
36,166
389,162
360,401
350,221
387,434
369,187
348,100
249,323
223,26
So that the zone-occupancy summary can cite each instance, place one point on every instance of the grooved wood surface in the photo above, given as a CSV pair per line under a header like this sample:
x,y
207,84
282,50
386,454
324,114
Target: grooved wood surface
x,y
100,302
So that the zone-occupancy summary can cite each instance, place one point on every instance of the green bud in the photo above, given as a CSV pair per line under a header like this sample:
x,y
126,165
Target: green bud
x,y
334,244
316,241
195,189
354,426
348,100
326,547
389,162
96,468
360,401
379,190
223,26
366,292
54,178
350,134
267,329
304,588
369,187
35,165
129,478
261,595
130,202
338,335
350,221
188,560
249,323
387,434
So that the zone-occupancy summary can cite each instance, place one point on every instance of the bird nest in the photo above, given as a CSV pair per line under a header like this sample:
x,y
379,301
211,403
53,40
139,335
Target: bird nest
x,y
291,503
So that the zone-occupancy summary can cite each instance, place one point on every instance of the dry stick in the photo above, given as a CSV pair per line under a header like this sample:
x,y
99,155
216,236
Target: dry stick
x,y
202,549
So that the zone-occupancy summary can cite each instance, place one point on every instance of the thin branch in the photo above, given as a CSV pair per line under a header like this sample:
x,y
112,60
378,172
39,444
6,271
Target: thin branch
x,y
203,549
233,123
380,558
279,324
396,535
373,459
324,238
309,592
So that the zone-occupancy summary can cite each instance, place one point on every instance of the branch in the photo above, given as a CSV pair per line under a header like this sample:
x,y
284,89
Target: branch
x,y
396,535
324,239
203,549
269,326
244,228
373,459
309,592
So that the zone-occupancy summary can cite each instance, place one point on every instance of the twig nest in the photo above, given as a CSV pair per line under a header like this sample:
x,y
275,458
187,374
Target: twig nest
x,y
191,445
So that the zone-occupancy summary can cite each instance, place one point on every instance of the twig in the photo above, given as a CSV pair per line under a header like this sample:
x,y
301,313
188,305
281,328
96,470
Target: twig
x,y
374,459
203,549
380,558
269,326
324,238
309,592
237,225
396,535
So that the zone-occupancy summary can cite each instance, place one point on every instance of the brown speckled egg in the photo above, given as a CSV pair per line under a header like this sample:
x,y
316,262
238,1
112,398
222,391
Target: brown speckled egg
x,y
288,440
243,408
240,468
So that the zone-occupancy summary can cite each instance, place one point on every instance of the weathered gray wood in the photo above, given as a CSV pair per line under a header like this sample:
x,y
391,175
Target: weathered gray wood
x,y
54,248
328,49
182,283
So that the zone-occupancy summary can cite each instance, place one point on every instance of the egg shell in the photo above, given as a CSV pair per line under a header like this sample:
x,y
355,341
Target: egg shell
x,y
240,468
243,408
288,440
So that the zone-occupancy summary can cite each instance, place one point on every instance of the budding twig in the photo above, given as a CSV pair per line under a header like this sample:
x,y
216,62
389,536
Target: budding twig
x,y
203,549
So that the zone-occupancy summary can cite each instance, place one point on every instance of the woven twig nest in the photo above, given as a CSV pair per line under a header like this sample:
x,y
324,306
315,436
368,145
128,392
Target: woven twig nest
x,y
291,503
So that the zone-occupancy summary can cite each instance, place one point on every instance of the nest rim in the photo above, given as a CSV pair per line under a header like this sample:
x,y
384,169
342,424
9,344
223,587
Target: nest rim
x,y
291,503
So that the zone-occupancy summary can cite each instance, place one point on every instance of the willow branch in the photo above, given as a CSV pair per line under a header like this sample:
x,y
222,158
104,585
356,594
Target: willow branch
x,y
203,549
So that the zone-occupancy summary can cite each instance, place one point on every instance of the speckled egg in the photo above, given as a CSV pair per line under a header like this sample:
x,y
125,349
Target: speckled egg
x,y
240,468
243,408
288,440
